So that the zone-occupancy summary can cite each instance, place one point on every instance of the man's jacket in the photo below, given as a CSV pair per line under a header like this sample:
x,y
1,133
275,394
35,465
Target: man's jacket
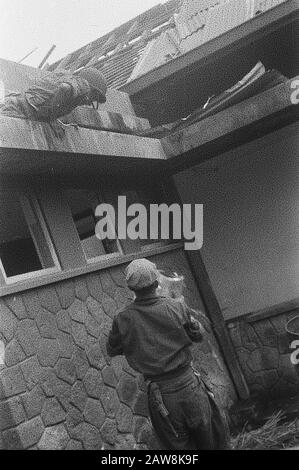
x,y
155,335
50,97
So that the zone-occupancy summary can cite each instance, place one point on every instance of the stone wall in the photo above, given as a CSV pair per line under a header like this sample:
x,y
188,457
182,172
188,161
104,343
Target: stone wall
x,y
263,348
58,387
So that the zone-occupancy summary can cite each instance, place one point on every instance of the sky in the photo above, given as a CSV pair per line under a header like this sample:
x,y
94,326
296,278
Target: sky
x,y
69,24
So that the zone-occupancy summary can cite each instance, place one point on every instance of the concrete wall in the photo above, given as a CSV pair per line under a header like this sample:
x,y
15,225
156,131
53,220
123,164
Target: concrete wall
x,y
251,219
58,387
251,249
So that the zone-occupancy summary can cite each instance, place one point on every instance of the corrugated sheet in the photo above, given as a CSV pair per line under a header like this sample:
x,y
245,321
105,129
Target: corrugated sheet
x,y
225,17
222,16
187,26
194,14
263,5
194,7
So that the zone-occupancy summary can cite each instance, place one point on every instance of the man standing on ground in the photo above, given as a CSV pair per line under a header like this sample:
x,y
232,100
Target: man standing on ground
x,y
155,333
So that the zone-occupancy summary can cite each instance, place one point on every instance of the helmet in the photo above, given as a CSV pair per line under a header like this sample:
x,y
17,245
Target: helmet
x,y
96,80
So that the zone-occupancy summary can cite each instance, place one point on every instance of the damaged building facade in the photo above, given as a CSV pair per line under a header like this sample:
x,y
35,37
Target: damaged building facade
x,y
61,287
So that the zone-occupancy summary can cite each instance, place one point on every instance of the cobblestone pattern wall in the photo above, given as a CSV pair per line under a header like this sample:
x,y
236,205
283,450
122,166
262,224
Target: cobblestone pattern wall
x,y
58,387
264,355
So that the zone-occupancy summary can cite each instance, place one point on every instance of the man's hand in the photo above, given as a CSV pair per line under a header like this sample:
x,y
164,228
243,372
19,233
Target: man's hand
x,y
194,330
57,129
69,124
114,344
196,325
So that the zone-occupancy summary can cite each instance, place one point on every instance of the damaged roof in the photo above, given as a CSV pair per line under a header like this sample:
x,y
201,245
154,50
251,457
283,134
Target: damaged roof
x,y
197,22
117,53
161,34
205,19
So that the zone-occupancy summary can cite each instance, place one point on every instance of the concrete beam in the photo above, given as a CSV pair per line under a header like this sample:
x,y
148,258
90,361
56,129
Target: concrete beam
x,y
202,135
32,135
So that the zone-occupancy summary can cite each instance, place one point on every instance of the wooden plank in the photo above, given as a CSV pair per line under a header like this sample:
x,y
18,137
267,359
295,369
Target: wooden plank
x,y
32,135
213,310
219,326
228,121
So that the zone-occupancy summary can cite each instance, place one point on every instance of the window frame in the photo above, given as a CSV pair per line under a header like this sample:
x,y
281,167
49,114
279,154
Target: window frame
x,y
24,199
101,196
98,258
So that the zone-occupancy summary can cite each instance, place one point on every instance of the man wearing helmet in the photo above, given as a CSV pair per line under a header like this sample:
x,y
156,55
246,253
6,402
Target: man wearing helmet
x,y
56,94
155,334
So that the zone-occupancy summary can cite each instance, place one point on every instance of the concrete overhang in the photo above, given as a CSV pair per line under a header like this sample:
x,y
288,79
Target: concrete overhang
x,y
232,127
31,147
107,141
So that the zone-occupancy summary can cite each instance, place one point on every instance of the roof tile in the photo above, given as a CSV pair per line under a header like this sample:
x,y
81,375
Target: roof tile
x,y
118,62
161,33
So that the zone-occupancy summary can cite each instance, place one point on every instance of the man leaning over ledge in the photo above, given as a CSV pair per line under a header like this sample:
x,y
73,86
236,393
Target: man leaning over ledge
x,y
56,94
155,333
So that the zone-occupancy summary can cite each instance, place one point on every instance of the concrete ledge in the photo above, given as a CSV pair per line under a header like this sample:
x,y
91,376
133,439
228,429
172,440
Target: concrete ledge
x,y
32,135
197,136
89,268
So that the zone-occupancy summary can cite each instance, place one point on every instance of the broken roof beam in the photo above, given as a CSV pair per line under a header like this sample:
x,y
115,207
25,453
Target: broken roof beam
x,y
39,136
204,139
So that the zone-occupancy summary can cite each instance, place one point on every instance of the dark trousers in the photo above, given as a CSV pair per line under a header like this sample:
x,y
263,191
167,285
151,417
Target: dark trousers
x,y
197,423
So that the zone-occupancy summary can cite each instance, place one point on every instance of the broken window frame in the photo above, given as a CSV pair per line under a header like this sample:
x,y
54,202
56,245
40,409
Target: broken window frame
x,y
29,200
104,195
104,256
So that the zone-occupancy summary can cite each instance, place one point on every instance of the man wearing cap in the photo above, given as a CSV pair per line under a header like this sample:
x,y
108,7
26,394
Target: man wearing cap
x,y
56,94
155,333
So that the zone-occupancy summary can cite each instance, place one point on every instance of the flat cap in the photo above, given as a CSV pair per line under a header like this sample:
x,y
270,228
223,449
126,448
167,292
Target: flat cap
x,y
141,273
